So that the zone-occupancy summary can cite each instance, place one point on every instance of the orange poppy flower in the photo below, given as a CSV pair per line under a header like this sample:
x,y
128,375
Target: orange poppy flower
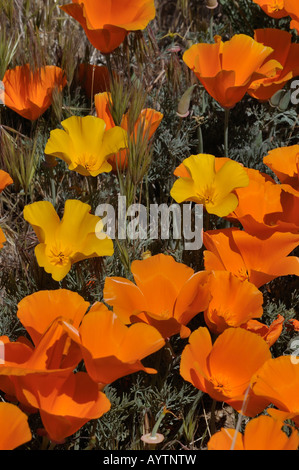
x,y
221,68
285,53
249,257
42,379
266,207
94,78
107,24
224,369
61,303
14,428
284,162
5,180
29,93
234,304
274,8
278,381
111,349
148,121
262,433
269,333
167,294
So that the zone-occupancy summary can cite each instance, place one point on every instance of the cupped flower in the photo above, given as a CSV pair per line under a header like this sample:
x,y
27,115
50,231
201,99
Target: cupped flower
x,y
285,53
222,70
107,23
208,184
111,349
266,207
29,93
235,303
284,162
167,294
278,381
14,428
274,8
147,122
60,303
260,260
224,369
85,144
77,236
262,433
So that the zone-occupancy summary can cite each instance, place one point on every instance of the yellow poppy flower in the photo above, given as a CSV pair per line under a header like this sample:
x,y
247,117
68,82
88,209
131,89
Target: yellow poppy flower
x,y
66,241
85,144
205,179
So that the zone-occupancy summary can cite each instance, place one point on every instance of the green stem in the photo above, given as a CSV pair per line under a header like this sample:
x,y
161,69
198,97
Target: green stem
x,y
156,426
226,121
200,140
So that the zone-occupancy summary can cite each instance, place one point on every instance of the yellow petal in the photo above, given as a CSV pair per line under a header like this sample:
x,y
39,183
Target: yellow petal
x,y
43,218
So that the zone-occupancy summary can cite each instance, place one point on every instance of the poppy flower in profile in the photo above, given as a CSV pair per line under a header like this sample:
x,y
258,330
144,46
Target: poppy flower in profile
x,y
167,294
60,303
148,121
222,70
224,369
249,257
111,349
278,381
85,144
14,428
234,304
269,333
285,53
77,236
106,26
208,184
29,93
262,433
266,207
284,162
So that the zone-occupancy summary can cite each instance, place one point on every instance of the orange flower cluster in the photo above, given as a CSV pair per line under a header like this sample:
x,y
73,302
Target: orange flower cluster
x,y
40,374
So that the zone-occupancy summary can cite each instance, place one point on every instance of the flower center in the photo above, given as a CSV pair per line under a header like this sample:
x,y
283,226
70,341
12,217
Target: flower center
x,y
59,256
276,6
221,386
89,162
207,196
242,274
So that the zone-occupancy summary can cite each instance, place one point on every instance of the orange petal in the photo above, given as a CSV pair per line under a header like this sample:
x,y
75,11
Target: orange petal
x,y
14,426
